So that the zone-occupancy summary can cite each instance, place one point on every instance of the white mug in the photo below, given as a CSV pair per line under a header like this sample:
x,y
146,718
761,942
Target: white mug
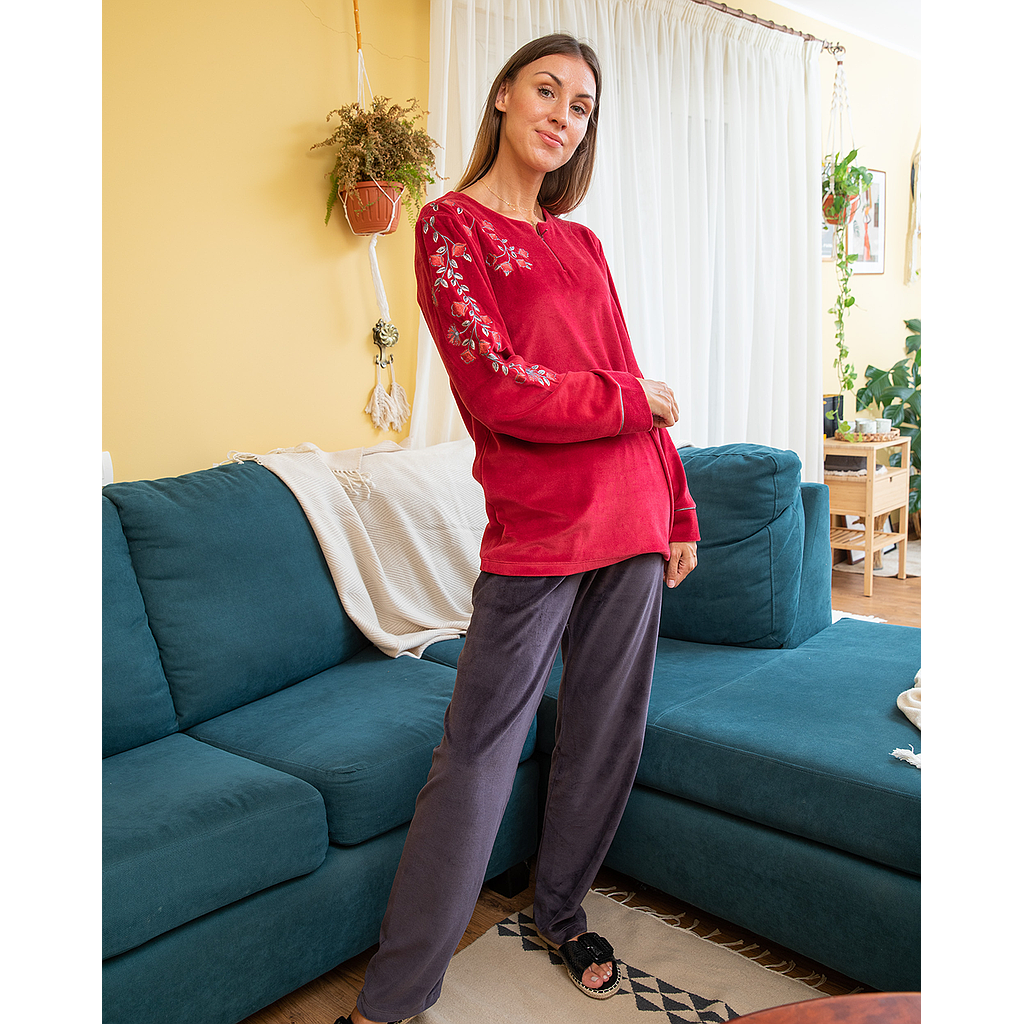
x,y
865,426
884,426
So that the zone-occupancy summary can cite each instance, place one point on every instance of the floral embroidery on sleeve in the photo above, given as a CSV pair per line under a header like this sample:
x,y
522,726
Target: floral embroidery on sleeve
x,y
472,330
507,253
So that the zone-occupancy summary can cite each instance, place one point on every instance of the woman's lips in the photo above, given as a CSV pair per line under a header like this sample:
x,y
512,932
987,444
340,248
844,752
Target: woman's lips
x,y
551,140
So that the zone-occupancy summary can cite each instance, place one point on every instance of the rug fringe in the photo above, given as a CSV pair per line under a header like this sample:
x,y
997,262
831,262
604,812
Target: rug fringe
x,y
911,756
813,980
672,920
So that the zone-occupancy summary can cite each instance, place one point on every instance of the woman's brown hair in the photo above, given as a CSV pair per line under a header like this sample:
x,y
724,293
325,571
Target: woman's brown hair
x,y
562,190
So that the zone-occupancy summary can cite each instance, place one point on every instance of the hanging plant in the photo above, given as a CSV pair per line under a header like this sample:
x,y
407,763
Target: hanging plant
x,y
379,143
842,182
380,156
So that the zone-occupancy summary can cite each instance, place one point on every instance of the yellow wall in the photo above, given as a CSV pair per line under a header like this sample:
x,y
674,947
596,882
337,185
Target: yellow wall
x,y
233,318
885,100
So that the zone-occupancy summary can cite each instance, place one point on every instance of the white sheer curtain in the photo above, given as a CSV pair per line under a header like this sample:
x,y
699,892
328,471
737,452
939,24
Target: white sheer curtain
x,y
704,196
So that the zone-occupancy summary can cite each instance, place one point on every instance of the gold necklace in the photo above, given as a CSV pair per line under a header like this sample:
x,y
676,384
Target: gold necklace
x,y
525,213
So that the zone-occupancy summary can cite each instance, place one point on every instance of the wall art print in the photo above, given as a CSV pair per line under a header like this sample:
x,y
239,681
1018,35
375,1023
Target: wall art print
x,y
866,235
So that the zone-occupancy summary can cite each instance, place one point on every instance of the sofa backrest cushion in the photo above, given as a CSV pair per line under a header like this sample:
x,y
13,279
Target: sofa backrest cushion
x,y
137,706
239,596
746,587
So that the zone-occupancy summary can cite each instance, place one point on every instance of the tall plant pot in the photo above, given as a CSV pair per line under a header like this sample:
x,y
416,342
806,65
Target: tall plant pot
x,y
373,207
832,408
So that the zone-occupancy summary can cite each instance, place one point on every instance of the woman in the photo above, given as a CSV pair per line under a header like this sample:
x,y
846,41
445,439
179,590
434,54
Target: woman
x,y
588,512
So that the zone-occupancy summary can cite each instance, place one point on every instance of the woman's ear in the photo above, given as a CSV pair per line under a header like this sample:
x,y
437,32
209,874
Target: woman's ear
x,y
500,101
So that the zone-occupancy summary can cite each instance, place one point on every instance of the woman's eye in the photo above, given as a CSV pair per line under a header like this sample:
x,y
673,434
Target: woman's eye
x,y
580,111
545,91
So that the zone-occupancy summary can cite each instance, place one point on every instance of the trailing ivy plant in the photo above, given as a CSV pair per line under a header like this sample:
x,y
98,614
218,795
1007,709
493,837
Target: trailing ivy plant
x,y
841,182
897,391
380,143
844,300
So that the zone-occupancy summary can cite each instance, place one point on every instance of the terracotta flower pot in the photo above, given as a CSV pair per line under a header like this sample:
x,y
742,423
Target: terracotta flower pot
x,y
373,207
845,218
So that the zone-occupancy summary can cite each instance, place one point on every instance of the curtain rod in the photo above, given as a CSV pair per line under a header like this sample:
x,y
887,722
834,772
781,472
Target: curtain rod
x,y
834,48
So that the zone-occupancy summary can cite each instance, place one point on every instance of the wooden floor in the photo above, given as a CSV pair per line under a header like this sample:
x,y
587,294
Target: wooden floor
x,y
334,994
897,601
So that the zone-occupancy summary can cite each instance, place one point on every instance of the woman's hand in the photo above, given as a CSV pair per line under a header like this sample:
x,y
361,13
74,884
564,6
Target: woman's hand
x,y
682,561
662,402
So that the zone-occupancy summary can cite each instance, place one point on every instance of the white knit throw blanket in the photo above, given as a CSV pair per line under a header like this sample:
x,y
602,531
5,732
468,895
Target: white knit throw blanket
x,y
400,530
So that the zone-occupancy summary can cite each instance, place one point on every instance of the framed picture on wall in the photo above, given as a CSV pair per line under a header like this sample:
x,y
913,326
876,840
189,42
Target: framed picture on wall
x,y
866,235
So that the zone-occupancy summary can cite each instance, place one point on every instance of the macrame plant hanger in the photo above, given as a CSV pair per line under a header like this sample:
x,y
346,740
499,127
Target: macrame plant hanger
x,y
839,120
388,408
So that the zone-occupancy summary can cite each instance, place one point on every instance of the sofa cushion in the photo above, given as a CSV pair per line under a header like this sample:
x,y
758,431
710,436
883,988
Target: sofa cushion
x,y
746,587
801,743
137,706
188,828
238,593
694,670
363,733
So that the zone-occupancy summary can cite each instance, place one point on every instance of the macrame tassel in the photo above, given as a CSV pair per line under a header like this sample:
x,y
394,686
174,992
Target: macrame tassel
x,y
400,407
380,408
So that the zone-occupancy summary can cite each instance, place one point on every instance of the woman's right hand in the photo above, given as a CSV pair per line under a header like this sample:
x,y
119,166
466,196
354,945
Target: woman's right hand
x,y
662,402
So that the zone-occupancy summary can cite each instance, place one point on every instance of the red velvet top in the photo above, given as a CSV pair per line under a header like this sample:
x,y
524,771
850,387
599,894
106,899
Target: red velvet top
x,y
532,335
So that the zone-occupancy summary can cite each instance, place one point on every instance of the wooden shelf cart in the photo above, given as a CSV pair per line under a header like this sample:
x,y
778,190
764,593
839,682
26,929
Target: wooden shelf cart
x,y
871,497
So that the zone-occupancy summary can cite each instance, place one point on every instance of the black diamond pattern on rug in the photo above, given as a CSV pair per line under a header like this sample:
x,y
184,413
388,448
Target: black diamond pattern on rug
x,y
678,1005
521,926
650,993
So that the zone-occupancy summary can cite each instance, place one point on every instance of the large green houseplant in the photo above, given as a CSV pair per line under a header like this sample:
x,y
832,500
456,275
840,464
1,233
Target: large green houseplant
x,y
842,182
379,143
897,391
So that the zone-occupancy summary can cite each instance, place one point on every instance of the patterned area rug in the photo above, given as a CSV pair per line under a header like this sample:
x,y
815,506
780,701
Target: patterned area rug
x,y
669,976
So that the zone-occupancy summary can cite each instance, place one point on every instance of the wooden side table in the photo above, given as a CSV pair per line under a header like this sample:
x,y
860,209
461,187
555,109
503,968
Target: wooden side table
x,y
871,497
863,1008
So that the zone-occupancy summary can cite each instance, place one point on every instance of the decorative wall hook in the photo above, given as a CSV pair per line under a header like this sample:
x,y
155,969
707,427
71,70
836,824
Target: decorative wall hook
x,y
385,336
387,409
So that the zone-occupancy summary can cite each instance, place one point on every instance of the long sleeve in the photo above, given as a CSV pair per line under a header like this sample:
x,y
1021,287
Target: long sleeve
x,y
684,508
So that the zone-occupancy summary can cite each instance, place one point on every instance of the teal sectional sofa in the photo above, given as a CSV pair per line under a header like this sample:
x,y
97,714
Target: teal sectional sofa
x,y
261,759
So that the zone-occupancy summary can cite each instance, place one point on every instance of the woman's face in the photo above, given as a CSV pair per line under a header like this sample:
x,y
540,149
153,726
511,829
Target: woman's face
x,y
547,108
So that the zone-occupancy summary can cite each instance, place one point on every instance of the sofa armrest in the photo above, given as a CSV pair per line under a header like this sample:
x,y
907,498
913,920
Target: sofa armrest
x,y
815,609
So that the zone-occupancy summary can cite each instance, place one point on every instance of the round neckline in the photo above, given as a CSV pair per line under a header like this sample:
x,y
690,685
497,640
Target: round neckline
x,y
514,220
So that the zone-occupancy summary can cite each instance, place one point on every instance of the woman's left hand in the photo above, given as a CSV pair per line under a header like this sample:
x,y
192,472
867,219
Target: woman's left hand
x,y
682,561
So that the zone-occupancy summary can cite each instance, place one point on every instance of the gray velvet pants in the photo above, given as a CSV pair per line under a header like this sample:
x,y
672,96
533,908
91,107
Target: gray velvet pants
x,y
607,624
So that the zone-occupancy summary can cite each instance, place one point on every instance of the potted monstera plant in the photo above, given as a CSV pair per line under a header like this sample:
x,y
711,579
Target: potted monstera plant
x,y
897,392
381,157
842,183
